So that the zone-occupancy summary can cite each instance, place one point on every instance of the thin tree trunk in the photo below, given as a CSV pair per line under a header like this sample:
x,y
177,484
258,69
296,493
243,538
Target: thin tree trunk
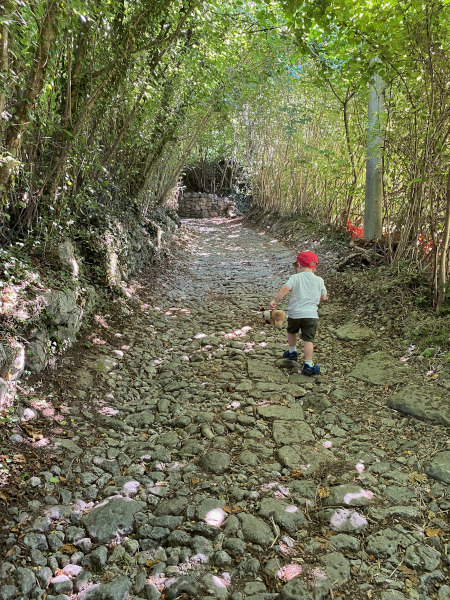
x,y
374,171
445,259
4,58
35,82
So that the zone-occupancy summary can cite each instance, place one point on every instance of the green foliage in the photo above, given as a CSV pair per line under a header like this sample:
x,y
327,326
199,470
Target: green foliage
x,y
132,93
431,334
410,276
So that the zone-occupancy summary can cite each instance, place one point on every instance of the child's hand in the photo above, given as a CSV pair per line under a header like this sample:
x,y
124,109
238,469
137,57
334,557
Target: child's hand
x,y
272,305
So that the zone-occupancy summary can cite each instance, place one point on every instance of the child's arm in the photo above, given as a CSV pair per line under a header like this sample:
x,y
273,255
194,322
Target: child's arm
x,y
280,294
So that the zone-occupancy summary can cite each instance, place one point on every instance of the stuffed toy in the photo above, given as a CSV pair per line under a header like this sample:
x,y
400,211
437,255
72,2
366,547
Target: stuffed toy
x,y
273,317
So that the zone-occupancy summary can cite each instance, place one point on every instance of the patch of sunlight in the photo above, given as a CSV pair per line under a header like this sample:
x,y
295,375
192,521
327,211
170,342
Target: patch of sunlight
x,y
343,516
222,582
319,577
282,492
107,410
215,517
348,498
130,488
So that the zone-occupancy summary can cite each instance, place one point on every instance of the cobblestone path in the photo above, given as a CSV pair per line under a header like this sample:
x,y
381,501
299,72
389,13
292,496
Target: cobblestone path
x,y
188,460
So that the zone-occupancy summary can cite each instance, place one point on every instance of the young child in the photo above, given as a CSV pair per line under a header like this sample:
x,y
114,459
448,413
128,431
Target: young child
x,y
307,292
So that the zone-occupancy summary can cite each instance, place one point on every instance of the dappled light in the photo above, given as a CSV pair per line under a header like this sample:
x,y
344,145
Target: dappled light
x,y
344,517
175,176
216,517
348,498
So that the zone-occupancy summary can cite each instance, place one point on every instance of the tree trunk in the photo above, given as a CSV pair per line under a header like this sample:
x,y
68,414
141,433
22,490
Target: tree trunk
x,y
445,259
35,82
4,59
374,170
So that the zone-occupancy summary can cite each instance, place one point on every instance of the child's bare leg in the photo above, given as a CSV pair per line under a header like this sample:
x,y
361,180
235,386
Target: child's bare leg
x,y
308,348
292,339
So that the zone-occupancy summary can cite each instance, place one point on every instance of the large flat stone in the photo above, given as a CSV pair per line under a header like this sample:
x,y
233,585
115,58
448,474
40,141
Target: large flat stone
x,y
294,412
255,530
304,458
353,332
265,372
426,403
380,368
285,432
439,467
113,517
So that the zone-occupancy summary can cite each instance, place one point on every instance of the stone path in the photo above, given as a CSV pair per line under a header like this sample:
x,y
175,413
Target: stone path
x,y
189,461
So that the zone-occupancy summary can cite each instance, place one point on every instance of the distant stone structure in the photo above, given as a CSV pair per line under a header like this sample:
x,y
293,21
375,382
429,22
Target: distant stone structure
x,y
200,205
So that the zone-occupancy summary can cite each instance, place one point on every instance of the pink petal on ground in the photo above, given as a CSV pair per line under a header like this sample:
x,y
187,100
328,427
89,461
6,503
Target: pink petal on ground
x,y
327,444
288,572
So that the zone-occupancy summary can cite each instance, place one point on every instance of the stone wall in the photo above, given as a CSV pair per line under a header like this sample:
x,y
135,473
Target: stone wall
x,y
200,205
58,314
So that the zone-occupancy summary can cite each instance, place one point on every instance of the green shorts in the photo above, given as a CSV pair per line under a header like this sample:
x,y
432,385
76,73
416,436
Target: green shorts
x,y
307,327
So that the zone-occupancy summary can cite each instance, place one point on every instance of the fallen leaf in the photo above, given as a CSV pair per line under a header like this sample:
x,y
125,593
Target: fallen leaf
x,y
296,473
150,563
68,549
429,532
3,496
415,477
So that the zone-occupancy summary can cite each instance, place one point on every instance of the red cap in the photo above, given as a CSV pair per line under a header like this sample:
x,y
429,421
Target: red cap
x,y
308,259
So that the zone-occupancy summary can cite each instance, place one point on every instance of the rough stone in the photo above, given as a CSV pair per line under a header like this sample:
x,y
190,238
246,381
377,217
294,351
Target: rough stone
x,y
109,518
372,369
354,333
255,530
282,412
215,462
284,432
116,590
423,402
439,467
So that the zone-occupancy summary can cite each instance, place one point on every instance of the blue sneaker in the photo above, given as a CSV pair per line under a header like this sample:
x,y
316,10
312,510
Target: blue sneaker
x,y
307,370
290,355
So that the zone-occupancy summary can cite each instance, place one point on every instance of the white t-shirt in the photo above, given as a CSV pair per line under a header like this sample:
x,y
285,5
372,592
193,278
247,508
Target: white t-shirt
x,y
306,290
